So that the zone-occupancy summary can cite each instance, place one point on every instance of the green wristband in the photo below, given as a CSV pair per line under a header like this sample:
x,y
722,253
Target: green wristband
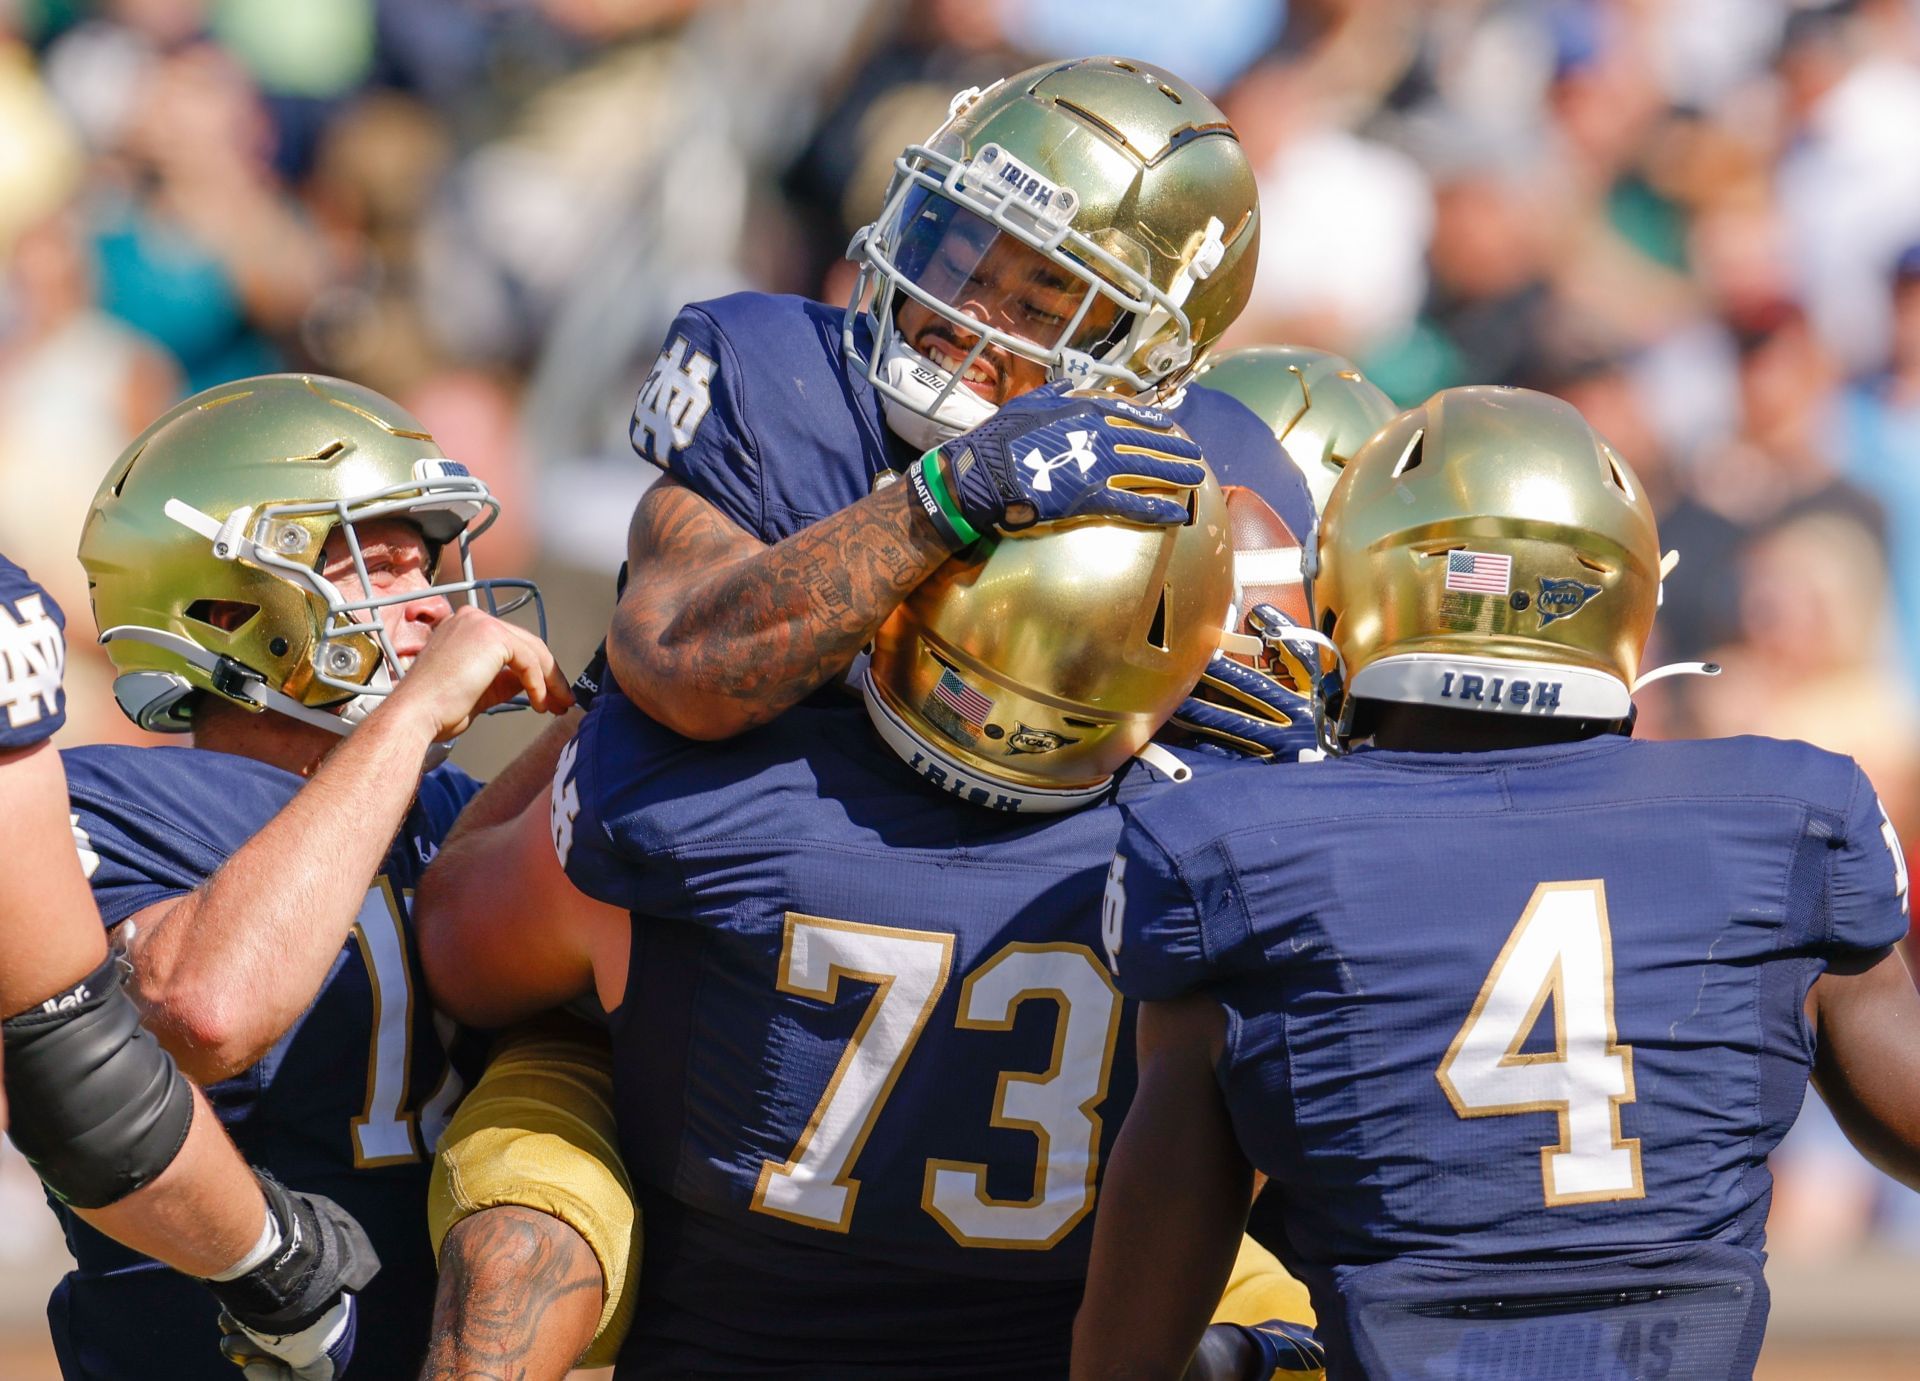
x,y
934,484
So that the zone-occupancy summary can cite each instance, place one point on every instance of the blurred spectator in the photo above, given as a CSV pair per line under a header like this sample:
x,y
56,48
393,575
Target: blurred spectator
x,y
1849,180
1344,220
1883,450
199,244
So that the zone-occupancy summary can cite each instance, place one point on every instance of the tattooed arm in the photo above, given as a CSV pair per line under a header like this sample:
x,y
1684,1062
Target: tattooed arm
x,y
718,633
519,1299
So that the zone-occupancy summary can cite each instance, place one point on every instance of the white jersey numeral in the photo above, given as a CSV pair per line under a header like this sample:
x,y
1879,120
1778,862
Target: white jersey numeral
x,y
384,1133
908,968
1892,836
1057,1105
1562,950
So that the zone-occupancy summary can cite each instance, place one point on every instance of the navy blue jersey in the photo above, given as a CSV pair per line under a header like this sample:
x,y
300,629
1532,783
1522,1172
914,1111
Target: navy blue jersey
x,y
33,655
348,1103
1388,934
752,405
869,1061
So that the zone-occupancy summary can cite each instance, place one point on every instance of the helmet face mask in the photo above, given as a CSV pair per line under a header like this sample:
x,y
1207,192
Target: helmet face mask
x,y
207,548
1095,220
353,651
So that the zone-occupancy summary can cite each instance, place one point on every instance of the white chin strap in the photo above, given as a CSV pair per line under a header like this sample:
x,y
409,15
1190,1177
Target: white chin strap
x,y
149,697
956,778
1647,678
910,409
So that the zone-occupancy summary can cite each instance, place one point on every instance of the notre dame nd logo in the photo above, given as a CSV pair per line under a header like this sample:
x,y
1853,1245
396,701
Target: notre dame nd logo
x,y
32,657
673,402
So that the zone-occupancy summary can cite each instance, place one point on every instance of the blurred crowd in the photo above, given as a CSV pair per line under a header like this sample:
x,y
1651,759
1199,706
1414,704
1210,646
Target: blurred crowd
x,y
1699,220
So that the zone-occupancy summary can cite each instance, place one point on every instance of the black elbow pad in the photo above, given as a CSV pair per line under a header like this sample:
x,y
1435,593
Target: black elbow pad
x,y
97,1106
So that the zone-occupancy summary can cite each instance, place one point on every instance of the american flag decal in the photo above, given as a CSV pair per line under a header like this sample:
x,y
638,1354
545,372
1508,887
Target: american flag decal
x,y
962,699
1479,572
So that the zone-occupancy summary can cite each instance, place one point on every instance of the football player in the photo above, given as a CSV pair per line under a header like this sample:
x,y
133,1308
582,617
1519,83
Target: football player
x,y
1509,1008
262,563
1089,223
1320,408
1102,192
866,1060
99,1109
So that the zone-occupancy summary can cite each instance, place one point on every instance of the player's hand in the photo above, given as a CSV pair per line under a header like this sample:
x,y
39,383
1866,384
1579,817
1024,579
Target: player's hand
x,y
1250,712
292,1318
317,1353
1046,457
473,662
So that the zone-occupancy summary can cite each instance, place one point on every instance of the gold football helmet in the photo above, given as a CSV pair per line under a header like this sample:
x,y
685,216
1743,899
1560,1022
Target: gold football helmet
x,y
1023,674
1320,407
204,546
1096,218
1489,551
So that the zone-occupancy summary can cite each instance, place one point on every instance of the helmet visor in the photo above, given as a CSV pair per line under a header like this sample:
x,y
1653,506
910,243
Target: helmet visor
x,y
968,269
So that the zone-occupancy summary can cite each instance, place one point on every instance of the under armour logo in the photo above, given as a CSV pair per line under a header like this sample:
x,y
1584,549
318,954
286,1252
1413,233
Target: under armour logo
x,y
1079,450
673,402
32,657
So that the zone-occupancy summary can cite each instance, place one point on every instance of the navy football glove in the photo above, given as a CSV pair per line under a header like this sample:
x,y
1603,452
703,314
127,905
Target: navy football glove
x,y
1046,457
1250,712
292,1317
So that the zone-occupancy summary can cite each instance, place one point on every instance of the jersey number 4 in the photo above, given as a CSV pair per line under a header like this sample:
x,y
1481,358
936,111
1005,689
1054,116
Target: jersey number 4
x,y
1561,949
909,969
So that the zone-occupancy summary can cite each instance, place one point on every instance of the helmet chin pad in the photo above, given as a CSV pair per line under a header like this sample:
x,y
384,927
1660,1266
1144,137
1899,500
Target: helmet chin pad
x,y
913,383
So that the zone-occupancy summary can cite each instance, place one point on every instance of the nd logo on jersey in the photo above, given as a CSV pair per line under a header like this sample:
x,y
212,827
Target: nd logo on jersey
x,y
33,656
673,402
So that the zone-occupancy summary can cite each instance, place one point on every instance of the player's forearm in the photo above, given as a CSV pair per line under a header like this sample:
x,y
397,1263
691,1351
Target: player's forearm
x,y
228,968
1175,1195
202,1214
519,1299
711,640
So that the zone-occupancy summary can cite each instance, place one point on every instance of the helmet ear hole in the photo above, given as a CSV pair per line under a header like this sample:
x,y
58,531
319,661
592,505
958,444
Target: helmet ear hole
x,y
228,615
1411,457
1157,630
1615,472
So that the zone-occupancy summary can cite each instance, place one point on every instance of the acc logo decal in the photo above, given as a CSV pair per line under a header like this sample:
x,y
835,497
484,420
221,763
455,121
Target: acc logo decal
x,y
1027,739
1562,599
673,402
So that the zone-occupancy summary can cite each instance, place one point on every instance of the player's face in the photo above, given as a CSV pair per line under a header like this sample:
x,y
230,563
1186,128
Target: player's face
x,y
969,263
397,559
